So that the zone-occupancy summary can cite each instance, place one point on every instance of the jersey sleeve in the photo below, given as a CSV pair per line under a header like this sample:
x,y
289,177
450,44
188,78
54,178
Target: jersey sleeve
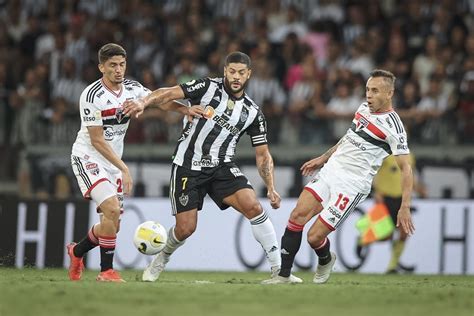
x,y
140,90
258,130
398,143
194,90
91,115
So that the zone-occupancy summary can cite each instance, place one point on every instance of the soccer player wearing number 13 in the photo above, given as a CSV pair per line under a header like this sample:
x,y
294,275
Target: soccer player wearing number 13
x,y
96,157
346,178
203,161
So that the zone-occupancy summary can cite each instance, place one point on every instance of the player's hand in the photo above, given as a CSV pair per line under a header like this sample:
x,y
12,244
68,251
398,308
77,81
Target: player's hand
x,y
127,182
404,220
195,111
274,198
133,107
309,167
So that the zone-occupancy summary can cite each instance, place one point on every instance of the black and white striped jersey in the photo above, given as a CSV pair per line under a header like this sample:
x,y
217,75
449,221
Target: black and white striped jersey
x,y
211,140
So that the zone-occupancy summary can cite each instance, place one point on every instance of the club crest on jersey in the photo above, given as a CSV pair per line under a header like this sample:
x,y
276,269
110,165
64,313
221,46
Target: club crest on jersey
x,y
361,123
119,114
243,116
183,199
92,168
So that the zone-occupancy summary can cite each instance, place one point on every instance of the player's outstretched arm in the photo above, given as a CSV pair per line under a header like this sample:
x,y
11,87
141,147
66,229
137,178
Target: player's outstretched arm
x,y
195,111
157,98
97,140
404,214
310,166
264,162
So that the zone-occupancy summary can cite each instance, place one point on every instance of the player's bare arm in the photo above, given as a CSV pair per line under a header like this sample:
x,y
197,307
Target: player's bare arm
x,y
157,98
404,214
310,166
265,167
195,111
97,140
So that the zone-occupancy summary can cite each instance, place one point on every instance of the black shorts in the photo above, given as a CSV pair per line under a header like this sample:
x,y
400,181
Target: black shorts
x,y
189,187
393,205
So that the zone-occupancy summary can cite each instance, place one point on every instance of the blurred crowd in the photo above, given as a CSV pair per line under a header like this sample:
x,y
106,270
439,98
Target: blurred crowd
x,y
311,59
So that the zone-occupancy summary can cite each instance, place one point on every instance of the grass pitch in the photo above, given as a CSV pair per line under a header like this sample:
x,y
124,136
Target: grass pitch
x,y
49,292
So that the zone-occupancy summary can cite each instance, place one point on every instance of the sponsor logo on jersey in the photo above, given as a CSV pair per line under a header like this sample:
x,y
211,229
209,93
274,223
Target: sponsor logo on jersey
x,y
230,104
206,163
98,115
196,87
101,93
209,112
389,123
222,122
110,133
88,119
402,147
355,143
236,172
332,220
334,212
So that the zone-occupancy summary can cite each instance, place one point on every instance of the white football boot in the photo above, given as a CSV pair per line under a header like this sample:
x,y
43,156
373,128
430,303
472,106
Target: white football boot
x,y
276,279
154,269
323,272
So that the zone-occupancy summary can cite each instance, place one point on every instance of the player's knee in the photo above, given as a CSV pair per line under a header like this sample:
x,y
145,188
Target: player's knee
x,y
254,209
298,216
184,230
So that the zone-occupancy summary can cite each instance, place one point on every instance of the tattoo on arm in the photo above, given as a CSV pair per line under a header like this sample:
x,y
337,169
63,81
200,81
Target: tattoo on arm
x,y
265,169
331,150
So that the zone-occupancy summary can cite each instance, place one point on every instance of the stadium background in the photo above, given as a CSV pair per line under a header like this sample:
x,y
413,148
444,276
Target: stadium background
x,y
310,62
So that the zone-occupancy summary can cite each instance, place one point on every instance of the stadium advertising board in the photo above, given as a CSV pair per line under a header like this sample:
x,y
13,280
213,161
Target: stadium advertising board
x,y
34,233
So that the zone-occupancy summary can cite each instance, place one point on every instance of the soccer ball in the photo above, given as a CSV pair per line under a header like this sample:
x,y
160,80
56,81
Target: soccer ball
x,y
150,238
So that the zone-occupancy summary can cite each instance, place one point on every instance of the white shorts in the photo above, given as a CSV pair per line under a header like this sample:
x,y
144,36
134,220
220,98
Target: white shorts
x,y
91,176
338,199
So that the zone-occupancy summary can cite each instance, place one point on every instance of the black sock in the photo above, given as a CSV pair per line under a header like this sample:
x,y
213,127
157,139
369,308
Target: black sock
x,y
290,244
323,252
83,247
107,249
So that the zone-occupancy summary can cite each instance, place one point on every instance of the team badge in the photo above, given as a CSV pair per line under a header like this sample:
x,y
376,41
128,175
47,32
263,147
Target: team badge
x,y
92,168
184,199
243,116
361,123
119,114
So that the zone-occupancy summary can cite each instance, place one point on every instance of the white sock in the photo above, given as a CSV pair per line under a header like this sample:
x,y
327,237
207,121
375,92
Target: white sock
x,y
172,243
264,233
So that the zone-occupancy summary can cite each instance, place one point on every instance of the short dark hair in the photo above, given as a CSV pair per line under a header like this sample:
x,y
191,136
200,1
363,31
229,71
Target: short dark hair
x,y
109,50
238,57
387,75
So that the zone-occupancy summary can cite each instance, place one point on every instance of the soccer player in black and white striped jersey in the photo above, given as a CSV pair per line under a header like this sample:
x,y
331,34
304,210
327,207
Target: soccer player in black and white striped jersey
x,y
203,161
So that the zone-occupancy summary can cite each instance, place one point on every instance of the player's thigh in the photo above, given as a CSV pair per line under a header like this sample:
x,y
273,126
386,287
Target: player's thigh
x,y
186,190
89,175
244,201
342,201
230,187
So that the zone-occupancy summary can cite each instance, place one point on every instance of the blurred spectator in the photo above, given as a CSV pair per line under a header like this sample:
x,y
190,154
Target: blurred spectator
x,y
465,109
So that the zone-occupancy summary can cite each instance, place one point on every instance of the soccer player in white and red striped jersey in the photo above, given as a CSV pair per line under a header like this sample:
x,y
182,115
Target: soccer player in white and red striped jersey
x,y
345,178
96,156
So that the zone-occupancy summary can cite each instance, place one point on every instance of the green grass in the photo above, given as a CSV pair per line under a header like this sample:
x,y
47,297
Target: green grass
x,y
49,292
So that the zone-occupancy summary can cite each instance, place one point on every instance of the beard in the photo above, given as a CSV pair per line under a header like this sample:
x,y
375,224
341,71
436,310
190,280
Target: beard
x,y
229,86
